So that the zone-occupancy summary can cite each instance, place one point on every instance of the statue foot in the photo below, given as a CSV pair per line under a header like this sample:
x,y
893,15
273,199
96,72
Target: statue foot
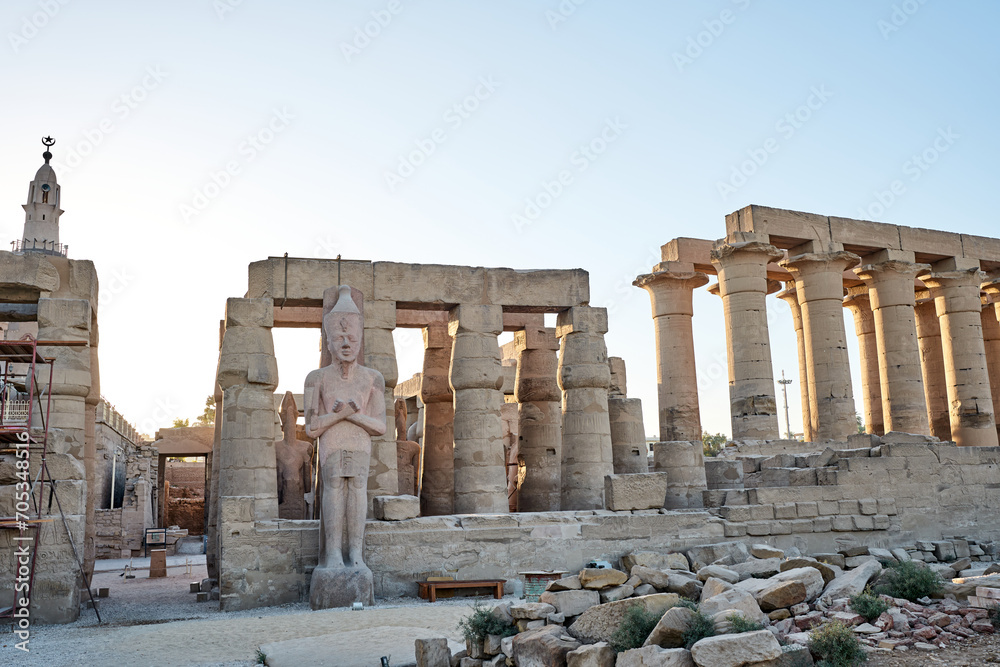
x,y
357,559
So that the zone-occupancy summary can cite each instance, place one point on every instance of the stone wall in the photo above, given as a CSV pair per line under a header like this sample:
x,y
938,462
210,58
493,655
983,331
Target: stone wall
x,y
109,533
190,474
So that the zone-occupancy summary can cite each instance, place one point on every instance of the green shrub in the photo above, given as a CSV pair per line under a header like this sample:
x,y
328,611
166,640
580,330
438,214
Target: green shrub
x,y
701,626
868,604
910,580
835,645
739,623
482,622
635,628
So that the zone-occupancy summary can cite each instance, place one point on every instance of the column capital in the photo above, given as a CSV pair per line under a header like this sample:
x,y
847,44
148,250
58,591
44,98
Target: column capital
x,y
670,290
892,282
475,318
582,319
723,250
536,338
956,290
820,275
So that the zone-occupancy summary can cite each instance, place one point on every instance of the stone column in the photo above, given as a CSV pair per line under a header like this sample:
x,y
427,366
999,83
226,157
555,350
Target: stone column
x,y
438,491
476,380
584,378
56,591
955,286
789,296
670,287
890,279
991,339
380,354
932,367
859,303
819,282
743,286
540,419
629,450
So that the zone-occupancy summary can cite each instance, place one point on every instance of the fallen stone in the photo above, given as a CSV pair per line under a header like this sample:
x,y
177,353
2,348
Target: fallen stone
x,y
591,655
570,603
598,623
432,652
939,619
829,572
792,655
900,554
544,647
714,587
755,567
669,631
644,589
799,609
737,650
766,551
799,638
491,645
654,656
565,584
853,582
531,610
831,559
866,629
855,550
884,556
779,615
555,619
781,595
616,593
961,564
657,561
719,572
923,646
734,599
598,578
723,553
852,562
848,618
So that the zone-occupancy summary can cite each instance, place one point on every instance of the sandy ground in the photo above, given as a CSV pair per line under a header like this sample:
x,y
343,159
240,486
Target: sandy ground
x,y
157,622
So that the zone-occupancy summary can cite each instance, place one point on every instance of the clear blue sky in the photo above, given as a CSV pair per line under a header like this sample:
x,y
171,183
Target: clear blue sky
x,y
149,100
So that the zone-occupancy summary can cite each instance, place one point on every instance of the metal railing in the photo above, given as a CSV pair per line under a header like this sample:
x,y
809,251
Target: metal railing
x,y
44,247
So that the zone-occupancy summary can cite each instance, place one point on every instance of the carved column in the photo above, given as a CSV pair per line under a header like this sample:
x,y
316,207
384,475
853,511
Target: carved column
x,y
380,354
932,366
857,300
789,296
628,434
743,287
670,287
476,380
584,379
819,283
437,494
955,286
539,418
991,339
890,284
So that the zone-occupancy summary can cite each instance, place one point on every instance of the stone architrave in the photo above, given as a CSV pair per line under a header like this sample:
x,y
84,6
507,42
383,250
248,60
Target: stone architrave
x,y
437,492
789,296
743,286
539,418
670,288
932,366
407,453
584,378
345,410
293,459
476,380
859,303
991,339
955,286
890,278
819,283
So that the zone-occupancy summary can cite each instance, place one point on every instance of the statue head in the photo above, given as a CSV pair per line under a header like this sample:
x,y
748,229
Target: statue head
x,y
343,327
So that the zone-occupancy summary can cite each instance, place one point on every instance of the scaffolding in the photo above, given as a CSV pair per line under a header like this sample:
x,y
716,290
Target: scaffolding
x,y
26,379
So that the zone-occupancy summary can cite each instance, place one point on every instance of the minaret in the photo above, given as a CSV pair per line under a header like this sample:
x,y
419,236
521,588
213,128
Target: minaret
x,y
41,222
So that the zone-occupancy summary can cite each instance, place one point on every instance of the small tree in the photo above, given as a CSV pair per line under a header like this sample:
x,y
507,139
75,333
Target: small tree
x,y
860,422
207,418
713,443
181,423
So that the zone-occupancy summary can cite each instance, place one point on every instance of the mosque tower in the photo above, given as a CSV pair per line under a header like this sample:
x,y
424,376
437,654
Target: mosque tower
x,y
41,222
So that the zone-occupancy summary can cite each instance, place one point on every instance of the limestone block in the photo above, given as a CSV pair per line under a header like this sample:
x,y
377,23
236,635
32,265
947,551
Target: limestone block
x,y
735,650
714,587
432,652
249,312
659,561
28,271
635,491
852,582
543,647
598,578
647,656
628,435
571,583
599,623
669,631
396,508
544,288
737,599
616,593
591,655
718,572
829,572
586,319
724,473
571,603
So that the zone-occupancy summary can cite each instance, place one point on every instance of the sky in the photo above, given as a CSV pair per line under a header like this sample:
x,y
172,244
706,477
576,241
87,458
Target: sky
x,y
197,136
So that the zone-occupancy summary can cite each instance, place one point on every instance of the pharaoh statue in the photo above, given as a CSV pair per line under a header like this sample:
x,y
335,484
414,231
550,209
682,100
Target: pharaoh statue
x,y
407,453
345,407
294,463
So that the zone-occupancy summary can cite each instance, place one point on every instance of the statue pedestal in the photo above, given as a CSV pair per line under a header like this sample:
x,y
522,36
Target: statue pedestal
x,y
341,587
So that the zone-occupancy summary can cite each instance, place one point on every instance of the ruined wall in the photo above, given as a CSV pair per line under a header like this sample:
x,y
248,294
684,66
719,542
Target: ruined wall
x,y
109,533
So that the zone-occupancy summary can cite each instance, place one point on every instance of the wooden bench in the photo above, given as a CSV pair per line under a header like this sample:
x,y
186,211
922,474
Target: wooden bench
x,y
429,589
